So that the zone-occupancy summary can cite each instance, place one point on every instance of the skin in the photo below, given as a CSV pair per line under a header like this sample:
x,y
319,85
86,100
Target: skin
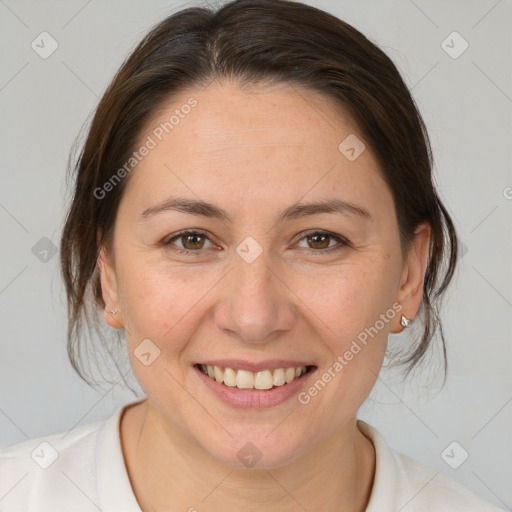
x,y
254,153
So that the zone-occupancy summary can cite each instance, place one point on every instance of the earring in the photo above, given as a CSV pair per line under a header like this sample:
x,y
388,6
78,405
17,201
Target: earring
x,y
113,311
405,321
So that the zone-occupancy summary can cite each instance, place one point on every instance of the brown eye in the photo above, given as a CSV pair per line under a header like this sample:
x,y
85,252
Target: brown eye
x,y
321,241
192,241
188,242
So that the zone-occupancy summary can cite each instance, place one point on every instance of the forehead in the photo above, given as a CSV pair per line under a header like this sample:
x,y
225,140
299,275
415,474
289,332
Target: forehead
x,y
266,142
228,118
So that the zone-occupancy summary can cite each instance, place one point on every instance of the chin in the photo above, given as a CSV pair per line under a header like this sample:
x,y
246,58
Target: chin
x,y
252,447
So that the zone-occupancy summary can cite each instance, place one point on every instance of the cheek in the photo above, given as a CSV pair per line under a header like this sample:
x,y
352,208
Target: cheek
x,y
346,316
357,312
163,304
160,309
355,298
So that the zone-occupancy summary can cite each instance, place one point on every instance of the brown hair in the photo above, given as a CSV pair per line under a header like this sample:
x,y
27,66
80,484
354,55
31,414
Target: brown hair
x,y
250,42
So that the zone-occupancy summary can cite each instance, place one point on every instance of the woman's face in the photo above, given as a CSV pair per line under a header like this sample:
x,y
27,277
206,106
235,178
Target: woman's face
x,y
264,286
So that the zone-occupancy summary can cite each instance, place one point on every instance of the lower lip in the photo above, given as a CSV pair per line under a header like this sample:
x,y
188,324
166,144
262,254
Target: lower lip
x,y
257,399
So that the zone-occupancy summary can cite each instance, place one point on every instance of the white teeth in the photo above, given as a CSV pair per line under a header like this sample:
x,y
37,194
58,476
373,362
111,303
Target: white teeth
x,y
289,374
229,377
243,379
263,380
279,379
218,374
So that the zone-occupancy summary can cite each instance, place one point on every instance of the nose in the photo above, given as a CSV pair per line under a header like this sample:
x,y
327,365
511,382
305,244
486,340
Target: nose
x,y
256,305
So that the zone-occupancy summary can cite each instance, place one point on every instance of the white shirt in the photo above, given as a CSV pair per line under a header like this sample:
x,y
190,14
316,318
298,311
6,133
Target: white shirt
x,y
85,472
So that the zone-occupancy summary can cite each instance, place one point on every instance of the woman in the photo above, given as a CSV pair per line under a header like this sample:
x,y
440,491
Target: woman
x,y
254,211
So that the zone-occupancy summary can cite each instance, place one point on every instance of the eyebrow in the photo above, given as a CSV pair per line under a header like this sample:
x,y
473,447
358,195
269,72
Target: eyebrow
x,y
299,210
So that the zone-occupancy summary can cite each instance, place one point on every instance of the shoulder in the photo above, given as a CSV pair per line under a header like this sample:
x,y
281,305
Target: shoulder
x,y
402,483
430,488
43,473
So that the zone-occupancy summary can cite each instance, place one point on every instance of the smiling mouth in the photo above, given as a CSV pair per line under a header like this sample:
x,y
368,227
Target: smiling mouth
x,y
264,380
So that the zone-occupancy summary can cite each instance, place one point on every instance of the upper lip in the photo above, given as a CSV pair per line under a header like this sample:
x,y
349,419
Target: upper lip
x,y
252,366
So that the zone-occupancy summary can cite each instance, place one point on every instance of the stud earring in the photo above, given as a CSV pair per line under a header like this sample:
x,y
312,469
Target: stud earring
x,y
113,311
405,321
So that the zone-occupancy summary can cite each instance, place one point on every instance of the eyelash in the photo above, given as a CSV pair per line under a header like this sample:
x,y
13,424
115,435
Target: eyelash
x,y
342,242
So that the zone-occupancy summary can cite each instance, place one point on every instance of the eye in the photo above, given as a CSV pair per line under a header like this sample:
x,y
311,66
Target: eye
x,y
320,241
192,241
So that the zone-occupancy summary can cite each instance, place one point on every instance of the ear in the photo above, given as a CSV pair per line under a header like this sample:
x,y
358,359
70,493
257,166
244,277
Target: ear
x,y
410,293
109,290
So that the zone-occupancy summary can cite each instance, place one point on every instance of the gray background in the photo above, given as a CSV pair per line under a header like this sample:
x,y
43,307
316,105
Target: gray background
x,y
467,105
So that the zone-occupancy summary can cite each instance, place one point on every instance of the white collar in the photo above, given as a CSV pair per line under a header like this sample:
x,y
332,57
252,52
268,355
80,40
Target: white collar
x,y
115,492
384,489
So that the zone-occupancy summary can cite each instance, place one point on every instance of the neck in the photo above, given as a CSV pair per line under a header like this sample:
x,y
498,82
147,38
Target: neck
x,y
166,468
